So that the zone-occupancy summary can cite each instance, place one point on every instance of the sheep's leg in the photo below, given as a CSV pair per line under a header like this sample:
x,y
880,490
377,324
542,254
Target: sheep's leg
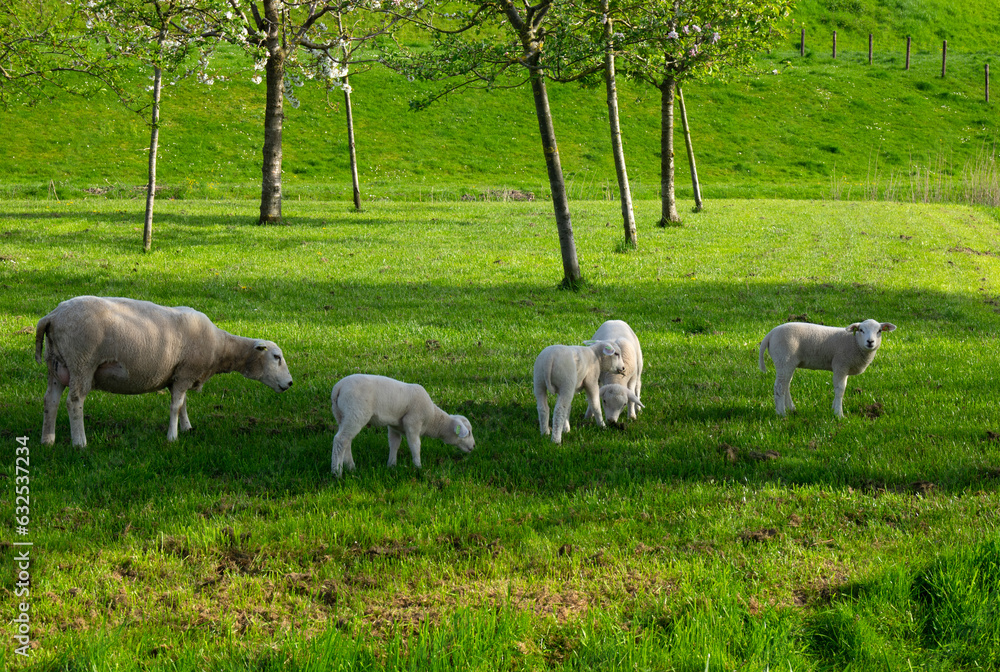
x,y
594,401
341,447
395,438
782,392
839,386
50,404
633,410
542,401
178,400
560,416
184,424
79,387
413,441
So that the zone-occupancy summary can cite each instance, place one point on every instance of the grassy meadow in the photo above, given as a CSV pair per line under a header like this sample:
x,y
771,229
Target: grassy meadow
x,y
708,534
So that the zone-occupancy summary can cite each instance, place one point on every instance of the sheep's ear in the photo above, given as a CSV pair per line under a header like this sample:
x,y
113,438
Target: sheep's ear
x,y
888,326
634,399
461,431
854,327
261,346
609,350
591,342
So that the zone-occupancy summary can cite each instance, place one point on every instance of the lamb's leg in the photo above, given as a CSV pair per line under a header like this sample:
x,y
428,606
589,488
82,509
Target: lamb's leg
x,y
50,404
413,440
560,416
341,446
594,401
79,387
395,438
632,408
184,424
839,386
782,391
178,394
542,401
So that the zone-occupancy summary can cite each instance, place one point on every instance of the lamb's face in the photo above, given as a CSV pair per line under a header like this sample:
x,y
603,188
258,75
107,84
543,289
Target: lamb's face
x,y
463,434
614,398
270,367
611,358
869,334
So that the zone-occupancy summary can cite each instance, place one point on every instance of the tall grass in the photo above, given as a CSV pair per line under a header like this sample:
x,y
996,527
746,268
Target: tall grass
x,y
937,180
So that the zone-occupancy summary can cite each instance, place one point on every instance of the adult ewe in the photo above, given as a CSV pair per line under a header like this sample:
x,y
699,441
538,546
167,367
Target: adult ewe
x,y
846,352
361,399
126,346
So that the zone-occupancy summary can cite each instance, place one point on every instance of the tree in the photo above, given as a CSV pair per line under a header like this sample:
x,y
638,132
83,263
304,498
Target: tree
x,y
493,44
679,40
163,35
290,39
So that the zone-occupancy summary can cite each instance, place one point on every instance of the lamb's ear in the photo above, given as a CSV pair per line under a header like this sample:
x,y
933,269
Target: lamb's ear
x,y
461,431
888,326
608,350
854,327
261,346
590,342
634,399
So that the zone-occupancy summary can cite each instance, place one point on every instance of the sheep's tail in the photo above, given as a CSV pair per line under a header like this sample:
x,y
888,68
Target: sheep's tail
x,y
333,402
40,331
763,349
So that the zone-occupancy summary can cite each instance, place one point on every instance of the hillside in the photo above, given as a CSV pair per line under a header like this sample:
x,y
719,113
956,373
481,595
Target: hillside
x,y
805,127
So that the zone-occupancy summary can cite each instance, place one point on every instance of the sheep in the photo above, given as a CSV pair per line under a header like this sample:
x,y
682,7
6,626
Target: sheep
x,y
846,352
564,370
125,346
361,399
615,399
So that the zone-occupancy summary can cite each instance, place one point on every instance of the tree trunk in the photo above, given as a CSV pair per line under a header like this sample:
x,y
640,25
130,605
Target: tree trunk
x,y
270,195
350,145
668,203
690,151
560,202
154,138
625,193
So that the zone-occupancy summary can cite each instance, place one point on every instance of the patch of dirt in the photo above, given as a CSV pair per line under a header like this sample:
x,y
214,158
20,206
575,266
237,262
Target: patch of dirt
x,y
761,535
968,250
872,411
922,488
734,454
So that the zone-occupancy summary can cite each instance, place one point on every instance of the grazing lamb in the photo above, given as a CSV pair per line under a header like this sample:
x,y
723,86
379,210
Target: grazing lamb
x,y
846,352
126,346
362,399
614,399
566,369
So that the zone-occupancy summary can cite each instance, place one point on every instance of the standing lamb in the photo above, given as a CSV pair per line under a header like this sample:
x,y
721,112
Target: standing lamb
x,y
360,399
566,369
126,346
619,389
846,352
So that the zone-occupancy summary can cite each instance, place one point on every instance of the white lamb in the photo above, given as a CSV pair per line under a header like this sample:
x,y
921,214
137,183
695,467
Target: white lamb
x,y
126,346
566,369
846,352
619,389
360,399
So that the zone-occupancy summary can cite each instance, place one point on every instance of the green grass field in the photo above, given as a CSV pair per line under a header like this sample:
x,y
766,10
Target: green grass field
x,y
709,533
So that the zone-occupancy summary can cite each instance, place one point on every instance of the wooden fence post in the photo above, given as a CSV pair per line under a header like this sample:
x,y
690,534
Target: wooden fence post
x,y
907,52
987,82
802,43
835,44
869,48
944,58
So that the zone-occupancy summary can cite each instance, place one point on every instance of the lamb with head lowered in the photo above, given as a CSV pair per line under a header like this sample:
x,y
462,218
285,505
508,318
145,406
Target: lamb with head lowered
x,y
800,345
563,370
127,346
406,409
620,389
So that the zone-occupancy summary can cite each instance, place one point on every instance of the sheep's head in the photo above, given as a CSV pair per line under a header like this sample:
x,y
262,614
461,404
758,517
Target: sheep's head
x,y
267,364
610,356
868,334
614,399
462,434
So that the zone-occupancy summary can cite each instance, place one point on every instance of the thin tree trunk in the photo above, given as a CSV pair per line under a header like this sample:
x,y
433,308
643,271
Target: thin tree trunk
x,y
270,195
560,202
350,146
690,150
154,139
625,193
668,203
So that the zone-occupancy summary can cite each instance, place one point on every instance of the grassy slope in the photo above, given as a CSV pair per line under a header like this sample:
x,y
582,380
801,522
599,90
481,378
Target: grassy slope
x,y
813,127
235,547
